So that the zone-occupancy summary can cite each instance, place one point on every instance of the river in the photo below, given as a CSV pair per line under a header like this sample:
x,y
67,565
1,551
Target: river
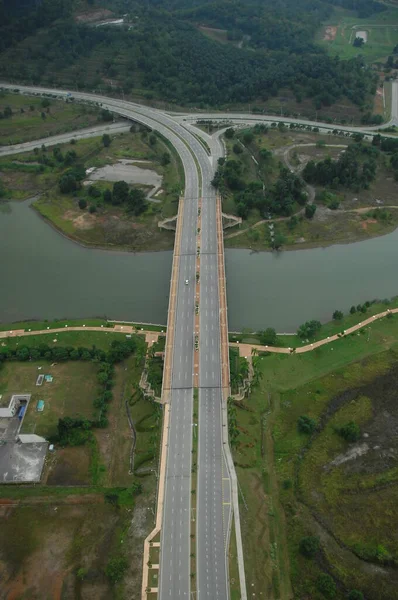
x,y
46,276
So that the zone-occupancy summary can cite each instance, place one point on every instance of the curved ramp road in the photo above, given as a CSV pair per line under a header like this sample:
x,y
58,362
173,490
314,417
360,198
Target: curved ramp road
x,y
213,477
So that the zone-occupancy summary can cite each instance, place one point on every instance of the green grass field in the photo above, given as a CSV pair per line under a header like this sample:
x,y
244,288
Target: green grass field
x,y
27,123
381,29
284,494
71,393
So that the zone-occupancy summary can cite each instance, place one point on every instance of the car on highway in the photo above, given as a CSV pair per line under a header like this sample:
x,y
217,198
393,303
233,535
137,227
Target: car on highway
x,y
186,282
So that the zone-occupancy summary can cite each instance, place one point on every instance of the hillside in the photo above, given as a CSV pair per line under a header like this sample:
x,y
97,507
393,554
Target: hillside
x,y
161,51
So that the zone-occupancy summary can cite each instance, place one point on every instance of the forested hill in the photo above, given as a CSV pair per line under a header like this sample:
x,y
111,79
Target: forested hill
x,y
161,52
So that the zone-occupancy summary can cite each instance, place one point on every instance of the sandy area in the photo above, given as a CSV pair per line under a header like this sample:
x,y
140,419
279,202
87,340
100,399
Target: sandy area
x,y
126,170
330,33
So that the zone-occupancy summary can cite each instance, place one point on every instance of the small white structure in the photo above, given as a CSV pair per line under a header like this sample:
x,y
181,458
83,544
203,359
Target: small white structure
x,y
8,411
30,438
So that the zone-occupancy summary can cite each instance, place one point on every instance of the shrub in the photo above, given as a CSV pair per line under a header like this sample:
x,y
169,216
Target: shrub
x,y
306,424
268,337
116,568
355,595
309,329
309,546
326,585
350,432
310,210
82,203
338,315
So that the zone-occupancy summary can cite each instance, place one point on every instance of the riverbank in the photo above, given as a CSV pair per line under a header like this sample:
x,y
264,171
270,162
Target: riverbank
x,y
262,156
248,343
88,214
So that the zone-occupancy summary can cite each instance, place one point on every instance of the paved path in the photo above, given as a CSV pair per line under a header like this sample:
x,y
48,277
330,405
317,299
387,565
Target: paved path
x,y
150,336
244,349
247,349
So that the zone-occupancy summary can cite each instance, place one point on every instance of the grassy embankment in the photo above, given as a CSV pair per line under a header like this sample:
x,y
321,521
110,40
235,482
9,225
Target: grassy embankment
x,y
349,222
27,123
381,29
328,329
86,493
291,489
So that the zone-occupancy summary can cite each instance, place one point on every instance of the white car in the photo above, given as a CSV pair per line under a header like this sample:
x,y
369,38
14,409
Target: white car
x,y
186,282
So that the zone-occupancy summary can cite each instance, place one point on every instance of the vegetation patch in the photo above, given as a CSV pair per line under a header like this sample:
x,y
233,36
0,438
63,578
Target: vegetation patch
x,y
315,472
25,118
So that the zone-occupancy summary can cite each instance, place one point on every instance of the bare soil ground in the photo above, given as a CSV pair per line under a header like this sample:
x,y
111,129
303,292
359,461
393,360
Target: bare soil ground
x,y
91,16
43,546
68,466
330,33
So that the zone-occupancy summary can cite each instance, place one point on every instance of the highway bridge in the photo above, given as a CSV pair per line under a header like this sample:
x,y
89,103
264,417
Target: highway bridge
x,y
196,358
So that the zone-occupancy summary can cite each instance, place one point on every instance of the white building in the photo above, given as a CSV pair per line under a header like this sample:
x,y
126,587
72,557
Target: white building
x,y
9,410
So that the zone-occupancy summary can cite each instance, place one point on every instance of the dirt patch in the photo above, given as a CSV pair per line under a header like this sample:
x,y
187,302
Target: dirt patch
x,y
84,221
330,33
90,16
40,561
365,224
70,467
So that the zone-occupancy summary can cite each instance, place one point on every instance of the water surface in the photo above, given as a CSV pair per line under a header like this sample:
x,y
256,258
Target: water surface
x,y
43,275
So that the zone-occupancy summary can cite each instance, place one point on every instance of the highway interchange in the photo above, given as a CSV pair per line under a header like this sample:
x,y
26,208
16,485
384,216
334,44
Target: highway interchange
x,y
214,484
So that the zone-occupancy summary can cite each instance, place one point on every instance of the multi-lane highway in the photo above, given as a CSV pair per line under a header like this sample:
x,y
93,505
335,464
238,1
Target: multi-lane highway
x,y
213,486
215,479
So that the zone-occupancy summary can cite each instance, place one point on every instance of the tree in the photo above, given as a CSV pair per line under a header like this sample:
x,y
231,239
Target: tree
x,y
116,568
268,337
309,546
107,196
153,139
229,133
355,595
248,137
67,183
137,201
120,192
106,140
326,585
265,154
338,315
105,115
358,42
237,148
306,424
353,310
351,432
165,160
310,210
82,203
309,329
